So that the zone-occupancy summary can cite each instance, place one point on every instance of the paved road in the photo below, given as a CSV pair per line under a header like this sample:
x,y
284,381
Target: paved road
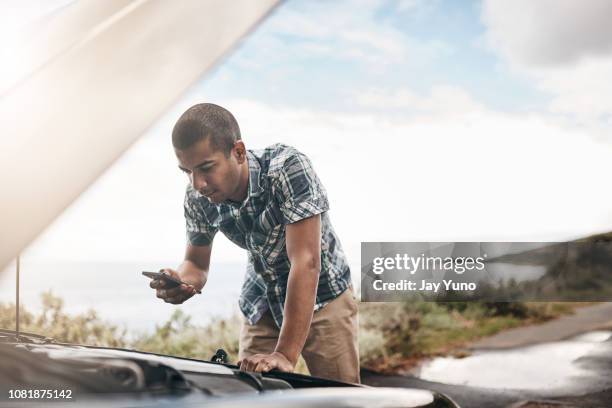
x,y
586,370
583,320
474,397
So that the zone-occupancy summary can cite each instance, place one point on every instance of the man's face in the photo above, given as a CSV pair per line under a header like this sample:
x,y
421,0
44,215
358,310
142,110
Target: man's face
x,y
210,172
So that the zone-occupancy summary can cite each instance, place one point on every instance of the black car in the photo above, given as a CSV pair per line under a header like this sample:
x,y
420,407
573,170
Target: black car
x,y
37,370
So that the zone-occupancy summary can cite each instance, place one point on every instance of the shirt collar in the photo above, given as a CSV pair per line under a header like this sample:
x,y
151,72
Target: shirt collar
x,y
255,187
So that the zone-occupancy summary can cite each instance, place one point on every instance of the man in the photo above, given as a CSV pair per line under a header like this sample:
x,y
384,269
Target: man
x,y
271,203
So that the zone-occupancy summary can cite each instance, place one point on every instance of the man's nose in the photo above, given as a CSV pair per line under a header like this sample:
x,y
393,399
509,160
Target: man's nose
x,y
198,182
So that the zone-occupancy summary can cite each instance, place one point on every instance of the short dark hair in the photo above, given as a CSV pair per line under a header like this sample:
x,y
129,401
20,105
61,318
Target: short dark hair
x,y
206,121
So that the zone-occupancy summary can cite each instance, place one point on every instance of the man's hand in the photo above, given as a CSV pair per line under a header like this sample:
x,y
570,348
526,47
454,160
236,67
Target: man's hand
x,y
176,295
262,363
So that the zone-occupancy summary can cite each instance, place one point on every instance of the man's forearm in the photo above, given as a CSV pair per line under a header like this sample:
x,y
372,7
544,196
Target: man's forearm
x,y
299,307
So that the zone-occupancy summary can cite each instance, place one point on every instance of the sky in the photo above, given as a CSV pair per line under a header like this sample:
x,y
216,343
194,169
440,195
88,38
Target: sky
x,y
425,120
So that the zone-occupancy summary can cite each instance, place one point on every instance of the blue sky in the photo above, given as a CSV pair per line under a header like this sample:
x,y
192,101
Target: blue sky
x,y
416,46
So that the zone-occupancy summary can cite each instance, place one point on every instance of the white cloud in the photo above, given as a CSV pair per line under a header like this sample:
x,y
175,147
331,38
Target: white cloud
x,y
345,30
584,90
476,175
565,46
549,32
442,99
408,5
480,175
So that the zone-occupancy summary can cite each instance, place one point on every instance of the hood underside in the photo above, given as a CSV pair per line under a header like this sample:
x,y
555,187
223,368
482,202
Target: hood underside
x,y
86,81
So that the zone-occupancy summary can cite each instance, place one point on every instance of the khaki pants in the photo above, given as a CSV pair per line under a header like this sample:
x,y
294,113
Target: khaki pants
x,y
331,350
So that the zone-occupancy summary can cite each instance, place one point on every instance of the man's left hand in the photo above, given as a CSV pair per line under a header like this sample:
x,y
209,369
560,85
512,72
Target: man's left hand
x,y
265,362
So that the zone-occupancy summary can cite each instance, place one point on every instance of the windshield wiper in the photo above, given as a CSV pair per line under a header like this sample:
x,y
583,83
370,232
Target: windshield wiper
x,y
7,336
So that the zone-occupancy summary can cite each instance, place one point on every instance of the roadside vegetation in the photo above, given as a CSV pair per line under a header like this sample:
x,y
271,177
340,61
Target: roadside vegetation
x,y
178,336
411,332
54,322
393,336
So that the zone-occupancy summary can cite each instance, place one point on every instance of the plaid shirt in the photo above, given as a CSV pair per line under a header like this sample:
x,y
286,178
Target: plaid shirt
x,y
283,189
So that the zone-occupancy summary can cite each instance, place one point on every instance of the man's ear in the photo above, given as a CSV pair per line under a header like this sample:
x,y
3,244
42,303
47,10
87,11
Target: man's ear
x,y
239,151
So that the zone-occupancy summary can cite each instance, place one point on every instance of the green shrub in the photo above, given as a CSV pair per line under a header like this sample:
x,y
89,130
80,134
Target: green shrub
x,y
391,335
181,338
85,328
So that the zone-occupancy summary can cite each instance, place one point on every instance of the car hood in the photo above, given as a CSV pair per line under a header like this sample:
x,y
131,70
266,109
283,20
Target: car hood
x,y
96,375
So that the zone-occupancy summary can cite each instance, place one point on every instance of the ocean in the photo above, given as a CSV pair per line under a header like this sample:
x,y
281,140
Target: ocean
x,y
119,293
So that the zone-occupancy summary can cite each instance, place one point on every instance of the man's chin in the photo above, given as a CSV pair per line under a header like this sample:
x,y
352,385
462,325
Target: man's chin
x,y
215,198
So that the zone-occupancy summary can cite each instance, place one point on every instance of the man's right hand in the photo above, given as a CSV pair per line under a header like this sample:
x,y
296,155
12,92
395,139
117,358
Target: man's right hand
x,y
176,295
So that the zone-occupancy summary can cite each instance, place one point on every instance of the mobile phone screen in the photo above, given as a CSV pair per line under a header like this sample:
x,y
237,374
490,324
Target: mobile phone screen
x,y
170,281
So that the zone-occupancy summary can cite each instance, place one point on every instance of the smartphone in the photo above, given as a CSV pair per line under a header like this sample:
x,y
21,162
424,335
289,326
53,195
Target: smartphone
x,y
170,281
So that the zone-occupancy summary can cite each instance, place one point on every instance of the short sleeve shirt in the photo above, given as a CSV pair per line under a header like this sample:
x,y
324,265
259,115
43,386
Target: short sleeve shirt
x,y
283,189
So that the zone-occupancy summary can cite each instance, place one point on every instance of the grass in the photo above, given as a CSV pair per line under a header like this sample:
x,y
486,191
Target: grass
x,y
177,336
415,331
392,336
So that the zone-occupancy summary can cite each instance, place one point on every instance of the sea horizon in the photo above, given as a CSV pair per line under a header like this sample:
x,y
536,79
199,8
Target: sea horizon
x,y
119,293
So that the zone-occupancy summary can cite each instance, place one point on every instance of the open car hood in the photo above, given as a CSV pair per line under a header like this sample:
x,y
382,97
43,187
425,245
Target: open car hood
x,y
85,82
